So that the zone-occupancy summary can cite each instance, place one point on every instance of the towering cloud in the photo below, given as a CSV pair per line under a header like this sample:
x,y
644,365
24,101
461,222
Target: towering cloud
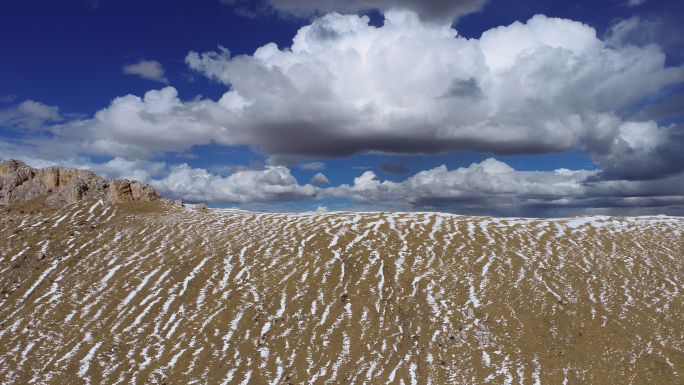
x,y
412,87
549,85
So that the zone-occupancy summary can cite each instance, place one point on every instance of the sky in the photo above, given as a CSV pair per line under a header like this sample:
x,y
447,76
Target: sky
x,y
475,107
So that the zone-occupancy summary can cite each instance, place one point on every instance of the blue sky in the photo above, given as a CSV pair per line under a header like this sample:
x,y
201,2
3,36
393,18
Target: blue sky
x,y
534,108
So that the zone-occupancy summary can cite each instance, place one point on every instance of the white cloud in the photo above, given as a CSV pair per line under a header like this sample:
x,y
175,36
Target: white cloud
x,y
319,179
642,150
137,127
490,178
119,168
493,186
257,185
274,184
147,69
344,87
549,85
486,188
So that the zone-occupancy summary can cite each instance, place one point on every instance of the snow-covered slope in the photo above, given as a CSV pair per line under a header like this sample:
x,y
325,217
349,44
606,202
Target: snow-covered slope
x,y
150,293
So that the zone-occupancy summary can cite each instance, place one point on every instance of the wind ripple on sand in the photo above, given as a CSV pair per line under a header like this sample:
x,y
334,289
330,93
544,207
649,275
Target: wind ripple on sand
x,y
131,295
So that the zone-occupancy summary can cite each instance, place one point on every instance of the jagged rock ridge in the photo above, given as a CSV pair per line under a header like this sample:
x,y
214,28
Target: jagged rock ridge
x,y
20,182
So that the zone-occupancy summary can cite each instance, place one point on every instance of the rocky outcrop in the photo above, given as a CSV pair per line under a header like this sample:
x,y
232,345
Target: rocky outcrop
x,y
123,190
19,182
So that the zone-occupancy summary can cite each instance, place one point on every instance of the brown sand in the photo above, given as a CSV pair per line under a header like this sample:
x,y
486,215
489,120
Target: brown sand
x,y
150,293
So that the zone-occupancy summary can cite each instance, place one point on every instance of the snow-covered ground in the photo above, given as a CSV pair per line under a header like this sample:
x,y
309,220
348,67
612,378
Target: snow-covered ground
x,y
120,294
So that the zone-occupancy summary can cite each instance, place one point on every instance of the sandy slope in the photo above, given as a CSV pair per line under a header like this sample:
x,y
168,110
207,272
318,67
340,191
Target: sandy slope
x,y
150,293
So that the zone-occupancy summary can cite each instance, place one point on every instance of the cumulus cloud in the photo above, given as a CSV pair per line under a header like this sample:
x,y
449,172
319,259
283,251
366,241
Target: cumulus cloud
x,y
319,179
464,88
494,186
267,185
643,151
29,115
490,178
120,168
135,127
485,188
549,85
398,168
147,69
274,184
344,87
429,10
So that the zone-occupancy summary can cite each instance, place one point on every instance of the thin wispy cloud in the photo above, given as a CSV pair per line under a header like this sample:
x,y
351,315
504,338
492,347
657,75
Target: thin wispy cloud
x,y
398,168
29,115
94,4
313,166
7,98
634,3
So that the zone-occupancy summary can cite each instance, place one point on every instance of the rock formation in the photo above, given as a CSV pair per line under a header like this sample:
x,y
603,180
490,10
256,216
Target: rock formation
x,y
20,182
